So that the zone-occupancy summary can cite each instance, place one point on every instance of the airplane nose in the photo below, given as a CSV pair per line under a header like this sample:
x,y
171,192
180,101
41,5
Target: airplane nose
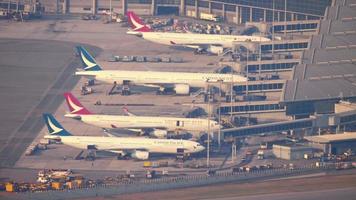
x,y
201,148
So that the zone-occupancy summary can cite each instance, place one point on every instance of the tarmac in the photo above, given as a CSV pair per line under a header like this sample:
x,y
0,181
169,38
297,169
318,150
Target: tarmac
x,y
49,43
32,72
330,187
46,51
37,62
330,194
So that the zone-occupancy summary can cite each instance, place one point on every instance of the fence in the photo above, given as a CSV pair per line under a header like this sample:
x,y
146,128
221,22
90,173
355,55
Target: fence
x,y
148,185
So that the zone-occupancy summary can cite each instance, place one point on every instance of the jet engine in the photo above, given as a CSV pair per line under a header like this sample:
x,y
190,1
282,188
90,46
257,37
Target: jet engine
x,y
181,89
217,50
140,155
158,133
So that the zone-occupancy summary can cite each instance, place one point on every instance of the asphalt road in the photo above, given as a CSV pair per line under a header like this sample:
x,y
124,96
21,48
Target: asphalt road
x,y
34,75
337,185
331,194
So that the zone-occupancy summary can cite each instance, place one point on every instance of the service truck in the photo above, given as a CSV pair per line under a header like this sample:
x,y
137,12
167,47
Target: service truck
x,y
210,17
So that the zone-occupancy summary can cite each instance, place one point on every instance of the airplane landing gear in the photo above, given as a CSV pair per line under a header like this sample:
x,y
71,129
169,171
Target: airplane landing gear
x,y
125,90
91,155
161,91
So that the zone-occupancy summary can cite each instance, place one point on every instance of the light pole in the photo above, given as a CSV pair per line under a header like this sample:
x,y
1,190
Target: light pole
x,y
260,55
247,73
110,11
208,147
273,29
285,18
219,116
232,88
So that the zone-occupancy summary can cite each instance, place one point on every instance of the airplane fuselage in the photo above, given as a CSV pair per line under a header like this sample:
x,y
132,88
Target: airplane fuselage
x,y
157,78
226,41
167,123
167,146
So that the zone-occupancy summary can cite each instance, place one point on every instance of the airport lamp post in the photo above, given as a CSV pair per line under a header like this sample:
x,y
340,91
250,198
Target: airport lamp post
x,y
273,29
208,147
219,115
260,55
110,11
232,88
219,133
285,18
247,72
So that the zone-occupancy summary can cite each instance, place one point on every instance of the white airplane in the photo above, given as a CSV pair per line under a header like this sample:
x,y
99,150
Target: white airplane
x,y
158,127
138,148
213,43
180,82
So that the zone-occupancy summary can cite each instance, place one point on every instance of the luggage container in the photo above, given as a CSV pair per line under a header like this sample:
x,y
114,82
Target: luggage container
x,y
176,60
128,59
118,58
140,59
166,59
153,59
147,164
11,187
56,185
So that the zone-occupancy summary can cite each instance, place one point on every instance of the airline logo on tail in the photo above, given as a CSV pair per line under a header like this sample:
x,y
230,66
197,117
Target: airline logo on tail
x,y
54,128
87,60
136,23
75,107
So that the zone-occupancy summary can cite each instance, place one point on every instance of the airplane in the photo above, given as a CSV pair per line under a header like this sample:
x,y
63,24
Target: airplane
x,y
180,82
212,43
137,148
158,127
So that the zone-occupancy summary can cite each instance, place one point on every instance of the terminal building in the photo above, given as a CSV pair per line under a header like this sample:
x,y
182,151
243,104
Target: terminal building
x,y
232,11
334,143
324,76
327,73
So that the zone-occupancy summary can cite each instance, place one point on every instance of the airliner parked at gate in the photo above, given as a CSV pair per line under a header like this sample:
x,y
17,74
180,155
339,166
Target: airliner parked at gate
x,y
153,126
192,40
138,148
180,82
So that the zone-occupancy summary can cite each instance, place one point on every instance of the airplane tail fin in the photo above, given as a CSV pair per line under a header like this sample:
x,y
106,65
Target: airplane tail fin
x,y
89,63
54,127
75,107
136,23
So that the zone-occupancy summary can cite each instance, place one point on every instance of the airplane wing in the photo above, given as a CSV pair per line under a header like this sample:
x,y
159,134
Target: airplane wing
x,y
194,45
142,129
155,85
136,153
159,85
126,150
146,128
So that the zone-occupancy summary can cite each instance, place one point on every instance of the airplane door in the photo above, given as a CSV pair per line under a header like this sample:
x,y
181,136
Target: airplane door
x,y
180,123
